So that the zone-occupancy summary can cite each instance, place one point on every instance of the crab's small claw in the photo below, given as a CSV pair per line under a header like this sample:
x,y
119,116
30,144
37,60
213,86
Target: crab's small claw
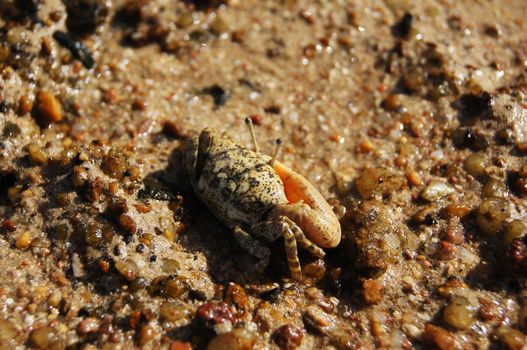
x,y
315,217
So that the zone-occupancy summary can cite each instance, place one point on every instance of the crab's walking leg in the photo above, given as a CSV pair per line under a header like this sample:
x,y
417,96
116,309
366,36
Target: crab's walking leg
x,y
291,251
301,238
254,247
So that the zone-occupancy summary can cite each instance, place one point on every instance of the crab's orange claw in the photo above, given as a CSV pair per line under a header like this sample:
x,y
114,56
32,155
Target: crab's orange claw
x,y
318,220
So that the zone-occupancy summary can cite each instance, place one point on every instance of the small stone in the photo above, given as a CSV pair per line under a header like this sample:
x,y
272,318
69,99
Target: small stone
x,y
173,311
219,26
177,345
23,241
48,108
288,337
459,313
372,291
88,325
146,334
436,191
318,321
235,295
41,338
391,103
513,339
127,223
237,339
24,105
212,313
36,154
9,225
446,251
439,337
8,331
55,298
414,178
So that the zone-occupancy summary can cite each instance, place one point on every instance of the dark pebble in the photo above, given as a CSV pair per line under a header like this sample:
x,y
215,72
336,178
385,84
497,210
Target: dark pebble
x,y
219,94
402,28
77,48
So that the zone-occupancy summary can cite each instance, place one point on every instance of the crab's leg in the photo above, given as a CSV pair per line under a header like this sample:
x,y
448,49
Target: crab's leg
x,y
291,251
302,240
270,230
250,244
191,159
254,247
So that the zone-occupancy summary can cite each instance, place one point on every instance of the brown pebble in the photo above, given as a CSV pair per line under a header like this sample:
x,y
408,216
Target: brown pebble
x,y
104,265
522,147
177,345
48,108
372,291
111,96
116,208
23,241
24,105
94,191
41,338
36,154
9,225
439,337
213,313
133,319
88,325
414,178
391,103
315,270
446,251
235,295
257,119
127,223
336,137
455,210
173,129
139,104
489,310
288,337
146,334
454,234
237,339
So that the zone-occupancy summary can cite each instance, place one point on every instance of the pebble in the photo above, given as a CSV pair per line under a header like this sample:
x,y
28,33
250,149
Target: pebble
x,y
215,313
318,321
41,338
237,339
177,345
459,313
512,338
436,191
439,337
146,334
372,291
48,108
36,154
288,337
9,225
23,241
88,325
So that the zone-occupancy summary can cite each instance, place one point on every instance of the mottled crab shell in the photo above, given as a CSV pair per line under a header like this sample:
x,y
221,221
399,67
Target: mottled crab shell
x,y
237,184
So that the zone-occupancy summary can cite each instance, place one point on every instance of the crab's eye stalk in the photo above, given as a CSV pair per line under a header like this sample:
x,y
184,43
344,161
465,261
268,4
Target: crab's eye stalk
x,y
249,123
276,152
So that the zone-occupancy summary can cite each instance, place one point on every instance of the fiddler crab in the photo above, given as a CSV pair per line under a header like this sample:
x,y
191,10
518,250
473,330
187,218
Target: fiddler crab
x,y
260,199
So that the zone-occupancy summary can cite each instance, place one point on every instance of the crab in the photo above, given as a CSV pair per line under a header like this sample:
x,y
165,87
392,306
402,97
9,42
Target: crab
x,y
260,199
